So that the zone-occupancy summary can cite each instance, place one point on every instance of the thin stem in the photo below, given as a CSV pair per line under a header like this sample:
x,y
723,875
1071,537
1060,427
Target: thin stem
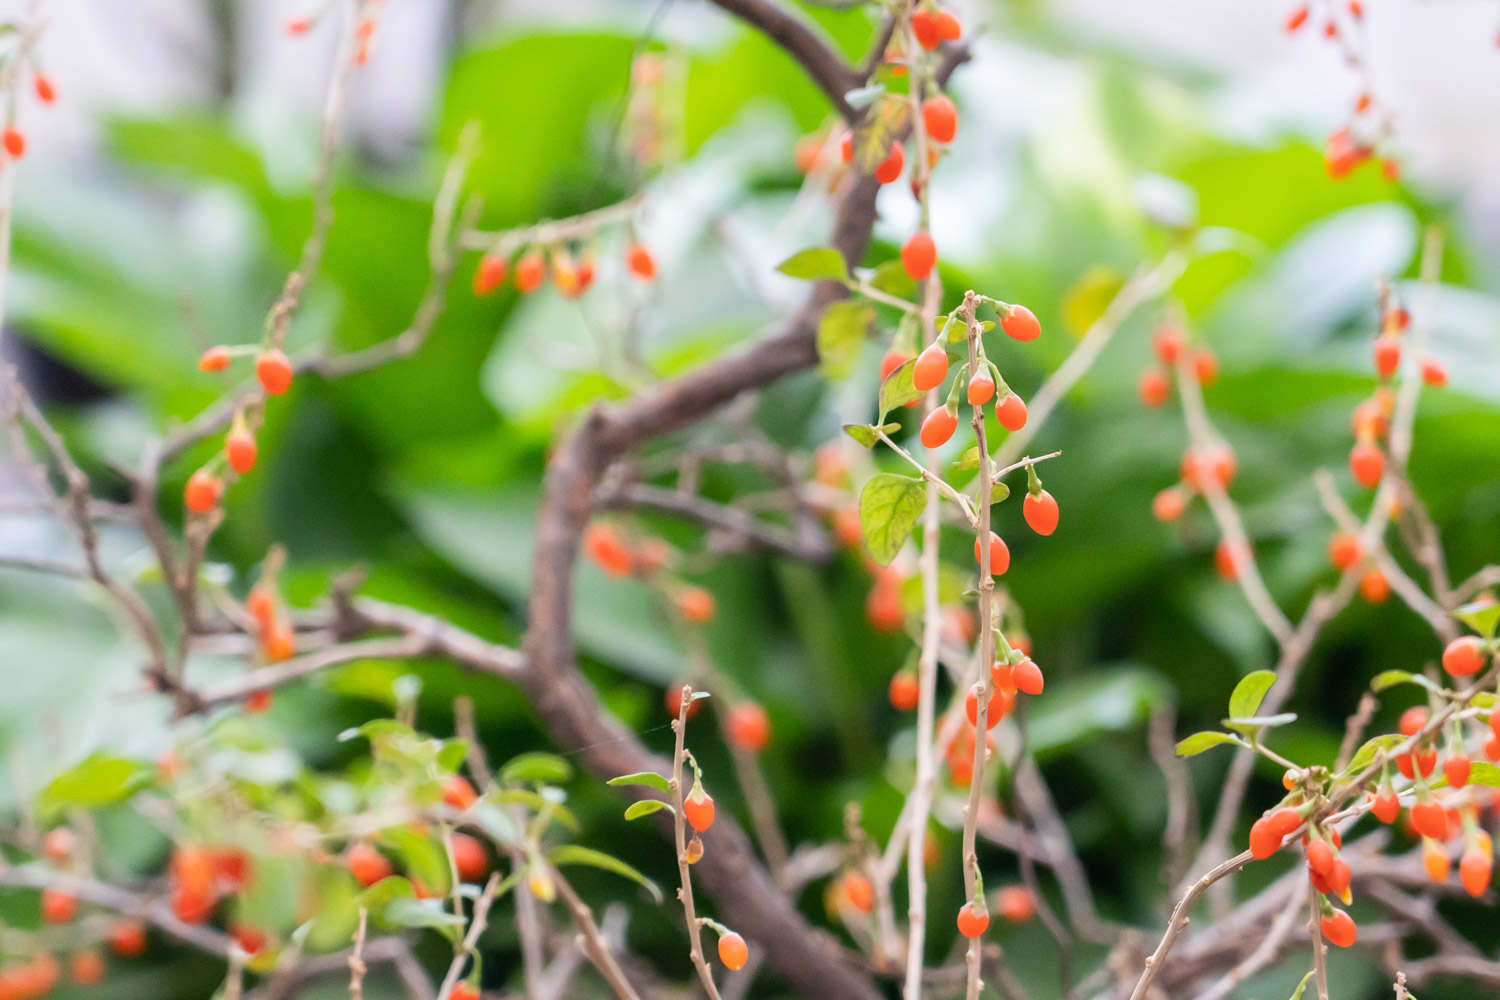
x,y
679,827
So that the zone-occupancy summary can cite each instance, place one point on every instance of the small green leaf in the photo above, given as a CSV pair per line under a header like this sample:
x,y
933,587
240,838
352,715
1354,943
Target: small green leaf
x,y
841,331
93,783
382,893
1481,616
422,858
815,264
1365,755
1297,993
1390,678
890,277
648,778
998,493
493,820
535,769
575,854
1089,296
1192,746
898,389
451,754
1255,723
410,913
646,807
862,97
889,506
1249,693
863,434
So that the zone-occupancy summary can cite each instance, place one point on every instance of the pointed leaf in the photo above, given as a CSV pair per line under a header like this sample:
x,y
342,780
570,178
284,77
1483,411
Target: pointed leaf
x,y
648,778
1249,693
890,277
898,389
1390,678
535,769
575,854
1365,755
889,506
93,783
841,332
1481,616
1297,993
815,264
1195,744
646,807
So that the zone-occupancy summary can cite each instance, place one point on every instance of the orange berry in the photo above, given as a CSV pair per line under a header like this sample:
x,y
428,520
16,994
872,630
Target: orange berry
x,y
45,92
1227,561
1167,343
1041,512
698,809
1205,367
258,702
931,368
1465,656
1027,677
1338,927
470,858
127,938
215,359
924,29
918,256
948,28
999,554
858,891
904,691
893,359
696,605
1011,412
1296,19
251,940
1153,387
58,907
280,644
530,271
733,951
86,967
1169,504
298,26
940,119
58,846
202,492
1374,587
972,922
938,427
890,168
490,274
981,389
1344,551
1017,905
884,608
367,865
239,448
605,548
1387,355
642,265
458,793
14,141
1434,374
749,727
274,371
1474,871
1020,323
1367,464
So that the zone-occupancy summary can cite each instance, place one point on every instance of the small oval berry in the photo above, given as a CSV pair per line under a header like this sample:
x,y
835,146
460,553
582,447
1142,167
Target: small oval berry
x,y
1344,551
1027,677
127,938
904,691
732,951
1386,807
893,359
1205,367
490,274
642,265
999,554
931,368
45,91
86,967
470,858
1320,857
1456,769
531,271
215,359
1153,387
239,449
1017,904
1429,819
1366,463
696,605
1474,871
889,169
1435,860
924,29
938,427
884,609
981,389
698,810
1168,343
1434,374
1374,587
58,846
1227,561
940,118
1387,355
948,28
972,922
58,907
1412,720
201,494
1464,656
274,372
1011,412
463,991
1168,505
14,141
1041,512
1265,838
1338,927
280,644
858,891
749,727
258,702
1021,324
999,706
367,865
458,793
918,256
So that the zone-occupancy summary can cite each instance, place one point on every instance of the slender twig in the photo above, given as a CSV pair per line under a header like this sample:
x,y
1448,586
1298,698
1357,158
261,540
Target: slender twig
x,y
466,947
679,824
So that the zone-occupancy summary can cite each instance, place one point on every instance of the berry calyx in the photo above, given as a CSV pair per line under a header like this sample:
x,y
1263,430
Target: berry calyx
x,y
1021,324
733,951
931,368
972,921
490,274
999,554
938,427
918,256
904,691
640,261
201,494
274,372
215,359
1041,512
1338,927
981,389
1464,656
889,169
698,809
1011,412
749,727
940,118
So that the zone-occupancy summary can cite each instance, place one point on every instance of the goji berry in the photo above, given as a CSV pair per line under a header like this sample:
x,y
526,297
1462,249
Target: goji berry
x,y
972,921
918,256
640,261
890,168
1153,387
1011,412
1465,656
940,118
931,368
367,865
470,858
981,389
202,492
274,371
458,793
904,691
490,274
733,951
749,727
698,809
696,605
215,359
1366,463
999,554
938,427
1020,323
1041,512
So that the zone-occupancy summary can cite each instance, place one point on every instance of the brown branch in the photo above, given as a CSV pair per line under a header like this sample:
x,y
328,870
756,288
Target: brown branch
x,y
742,528
804,43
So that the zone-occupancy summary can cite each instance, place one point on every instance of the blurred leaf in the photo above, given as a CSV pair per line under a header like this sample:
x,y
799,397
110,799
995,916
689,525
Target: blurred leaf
x,y
898,389
874,139
1481,616
417,913
1089,296
890,277
536,768
1195,744
1365,755
574,854
1390,678
841,332
1302,985
494,822
889,506
815,264
648,778
646,807
97,781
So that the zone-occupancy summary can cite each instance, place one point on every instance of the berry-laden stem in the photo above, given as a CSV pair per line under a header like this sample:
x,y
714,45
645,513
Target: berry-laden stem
x,y
679,831
985,658
1315,929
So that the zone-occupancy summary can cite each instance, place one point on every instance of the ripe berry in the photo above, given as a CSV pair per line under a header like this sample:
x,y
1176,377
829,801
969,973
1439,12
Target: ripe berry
x,y
1474,871
298,26
642,265
999,707
530,271
938,427
215,359
470,858
972,922
58,907
1386,807
893,359
696,605
948,28
258,702
1456,770
607,550
15,142
202,492
1153,387
940,118
1374,587
1227,560
280,644
1168,505
846,147
1265,838
1017,905
1464,656
1205,367
858,891
1167,343
464,991
732,951
924,29
57,847
1011,412
918,256
999,554
490,274
45,92
749,727
239,448
1296,19
1429,819
1435,860
1344,551
981,389
251,940
274,371
1213,464
86,967
127,938
931,368
1040,511
1412,720
890,168
1028,677
1434,374
1367,464
1320,857
1387,355
904,691
698,809
458,793
367,865
1338,928
1021,324
884,608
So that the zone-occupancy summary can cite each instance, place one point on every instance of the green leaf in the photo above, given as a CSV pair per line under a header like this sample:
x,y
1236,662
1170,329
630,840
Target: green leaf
x,y
383,893
898,389
646,807
998,493
1255,723
536,803
841,331
1297,993
1365,755
411,913
890,277
865,434
422,857
1249,693
1089,296
1481,616
575,854
93,783
889,506
648,778
1480,773
1390,678
493,820
815,264
451,754
535,769
1192,746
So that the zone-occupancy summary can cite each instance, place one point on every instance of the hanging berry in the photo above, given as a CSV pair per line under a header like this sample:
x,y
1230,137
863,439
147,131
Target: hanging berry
x,y
274,371
918,256
940,119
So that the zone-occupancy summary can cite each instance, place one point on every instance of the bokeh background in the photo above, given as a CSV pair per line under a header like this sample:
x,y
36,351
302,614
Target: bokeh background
x,y
166,194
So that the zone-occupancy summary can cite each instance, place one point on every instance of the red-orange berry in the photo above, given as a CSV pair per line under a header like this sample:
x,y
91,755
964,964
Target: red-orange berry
x,y
948,28
280,644
749,727
846,147
239,449
1412,720
58,846
201,494
1386,807
981,389
673,700
999,554
258,702
924,29
251,940
1017,904
1366,463
58,907
274,371
1429,819
884,608
1265,838
464,991
367,865
1011,412
1168,505
1434,374
127,938
14,141
931,368
1227,560
1296,19
1344,551
1168,343
696,605
1153,387
470,858
86,967
1205,367
858,891
904,691
1374,587
1464,656
1020,323
972,922
890,168
531,271
604,547
918,256
893,359
1040,511
940,118
938,427
1474,870
1027,677
641,263
733,951
1387,355
215,359
698,809
1456,769
997,708
45,91
298,26
490,274
1320,857
458,793
1338,927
